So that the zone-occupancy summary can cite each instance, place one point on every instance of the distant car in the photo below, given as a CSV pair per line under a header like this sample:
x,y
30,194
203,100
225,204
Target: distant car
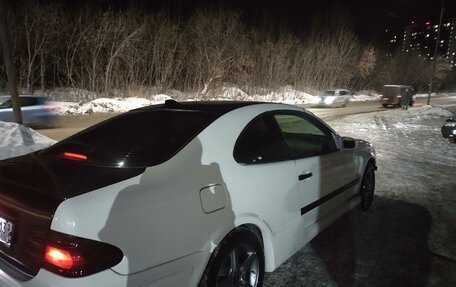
x,y
37,111
449,129
334,98
178,194
392,95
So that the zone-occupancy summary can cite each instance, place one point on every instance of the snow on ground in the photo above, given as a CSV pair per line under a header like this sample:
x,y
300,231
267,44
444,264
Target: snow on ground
x,y
106,105
415,163
362,97
285,94
17,140
407,238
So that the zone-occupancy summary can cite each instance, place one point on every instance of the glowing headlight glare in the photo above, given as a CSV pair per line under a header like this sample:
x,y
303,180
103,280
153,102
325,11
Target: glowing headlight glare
x,y
329,100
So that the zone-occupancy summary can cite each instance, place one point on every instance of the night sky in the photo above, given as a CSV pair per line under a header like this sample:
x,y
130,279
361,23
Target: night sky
x,y
369,18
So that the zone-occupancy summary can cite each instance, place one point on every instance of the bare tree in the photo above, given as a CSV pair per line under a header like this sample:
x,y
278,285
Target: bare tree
x,y
9,63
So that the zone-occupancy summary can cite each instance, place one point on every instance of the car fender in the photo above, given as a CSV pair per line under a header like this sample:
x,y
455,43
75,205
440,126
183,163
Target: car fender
x,y
266,234
364,152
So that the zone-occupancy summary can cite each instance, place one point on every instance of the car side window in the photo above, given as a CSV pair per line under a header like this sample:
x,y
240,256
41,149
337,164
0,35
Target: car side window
x,y
261,142
6,105
27,102
305,136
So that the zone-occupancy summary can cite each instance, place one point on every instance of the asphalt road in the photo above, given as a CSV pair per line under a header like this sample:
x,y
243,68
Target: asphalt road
x,y
70,124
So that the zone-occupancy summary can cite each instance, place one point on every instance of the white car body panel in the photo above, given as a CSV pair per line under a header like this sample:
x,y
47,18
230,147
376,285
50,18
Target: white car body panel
x,y
340,98
180,210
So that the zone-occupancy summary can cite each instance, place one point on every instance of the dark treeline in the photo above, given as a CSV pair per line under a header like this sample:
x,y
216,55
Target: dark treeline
x,y
101,48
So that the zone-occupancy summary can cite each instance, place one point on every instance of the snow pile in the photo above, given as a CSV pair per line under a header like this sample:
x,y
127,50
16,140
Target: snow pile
x,y
232,94
18,140
287,94
365,97
105,105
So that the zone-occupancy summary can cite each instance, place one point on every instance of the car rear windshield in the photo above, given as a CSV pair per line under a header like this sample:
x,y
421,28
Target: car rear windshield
x,y
136,139
391,91
329,93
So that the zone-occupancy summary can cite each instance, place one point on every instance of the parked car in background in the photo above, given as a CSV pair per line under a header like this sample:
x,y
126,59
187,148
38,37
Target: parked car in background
x,y
392,95
334,98
178,194
37,111
449,129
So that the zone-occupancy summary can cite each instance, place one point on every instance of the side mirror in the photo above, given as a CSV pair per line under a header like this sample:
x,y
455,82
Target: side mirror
x,y
348,143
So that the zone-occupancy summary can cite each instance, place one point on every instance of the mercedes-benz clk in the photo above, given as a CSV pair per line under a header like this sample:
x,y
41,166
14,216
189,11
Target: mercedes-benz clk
x,y
178,194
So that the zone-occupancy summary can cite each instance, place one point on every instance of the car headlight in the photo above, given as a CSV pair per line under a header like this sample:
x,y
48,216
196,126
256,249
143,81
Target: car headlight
x,y
329,100
450,124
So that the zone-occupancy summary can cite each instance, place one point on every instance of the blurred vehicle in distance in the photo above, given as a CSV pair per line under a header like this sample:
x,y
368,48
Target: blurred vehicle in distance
x,y
37,111
393,94
449,129
334,98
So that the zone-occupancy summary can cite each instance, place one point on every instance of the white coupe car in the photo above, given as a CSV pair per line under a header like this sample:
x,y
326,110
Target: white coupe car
x,y
178,194
334,98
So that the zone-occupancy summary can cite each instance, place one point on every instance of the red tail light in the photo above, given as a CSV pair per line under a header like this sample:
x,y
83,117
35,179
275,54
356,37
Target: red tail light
x,y
61,258
73,156
51,107
72,256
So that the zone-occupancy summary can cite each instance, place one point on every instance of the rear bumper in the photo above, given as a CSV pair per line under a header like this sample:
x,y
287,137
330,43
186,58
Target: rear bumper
x,y
449,132
184,272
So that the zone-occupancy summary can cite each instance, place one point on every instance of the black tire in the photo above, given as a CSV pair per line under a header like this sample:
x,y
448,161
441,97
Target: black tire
x,y
248,271
367,188
385,105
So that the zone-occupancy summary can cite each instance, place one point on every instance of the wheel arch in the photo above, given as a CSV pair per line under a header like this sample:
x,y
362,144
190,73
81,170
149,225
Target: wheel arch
x,y
264,233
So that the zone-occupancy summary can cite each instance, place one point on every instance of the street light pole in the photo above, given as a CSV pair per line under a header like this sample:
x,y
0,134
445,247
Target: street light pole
x,y
435,53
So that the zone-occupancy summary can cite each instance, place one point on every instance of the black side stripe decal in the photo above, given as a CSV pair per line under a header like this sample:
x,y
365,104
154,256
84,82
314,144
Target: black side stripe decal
x,y
327,197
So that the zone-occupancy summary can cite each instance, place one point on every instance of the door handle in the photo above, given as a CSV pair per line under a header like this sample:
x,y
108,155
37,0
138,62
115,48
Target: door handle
x,y
304,176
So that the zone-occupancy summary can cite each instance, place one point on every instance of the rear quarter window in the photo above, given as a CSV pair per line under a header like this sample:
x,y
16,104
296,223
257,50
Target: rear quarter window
x,y
135,139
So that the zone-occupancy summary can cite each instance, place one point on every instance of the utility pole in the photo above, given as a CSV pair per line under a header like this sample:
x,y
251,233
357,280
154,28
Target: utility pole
x,y
435,53
9,63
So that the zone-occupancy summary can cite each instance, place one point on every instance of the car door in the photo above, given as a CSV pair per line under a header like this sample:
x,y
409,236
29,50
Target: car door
x,y
6,111
325,174
264,159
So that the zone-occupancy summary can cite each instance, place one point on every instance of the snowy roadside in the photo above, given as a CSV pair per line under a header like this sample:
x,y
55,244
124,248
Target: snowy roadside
x,y
287,95
415,164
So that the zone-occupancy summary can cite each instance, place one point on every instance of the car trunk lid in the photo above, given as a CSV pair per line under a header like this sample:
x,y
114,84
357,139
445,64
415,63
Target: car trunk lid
x,y
31,189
